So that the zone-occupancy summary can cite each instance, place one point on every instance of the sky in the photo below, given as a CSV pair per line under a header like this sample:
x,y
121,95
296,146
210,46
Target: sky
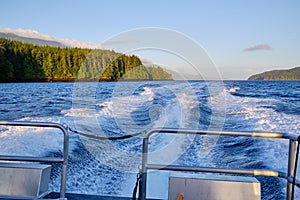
x,y
240,37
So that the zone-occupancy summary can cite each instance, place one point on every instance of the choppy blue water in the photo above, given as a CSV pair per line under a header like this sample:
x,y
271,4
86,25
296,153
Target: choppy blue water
x,y
115,109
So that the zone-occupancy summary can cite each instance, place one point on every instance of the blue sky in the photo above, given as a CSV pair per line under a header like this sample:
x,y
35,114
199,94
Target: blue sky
x,y
241,37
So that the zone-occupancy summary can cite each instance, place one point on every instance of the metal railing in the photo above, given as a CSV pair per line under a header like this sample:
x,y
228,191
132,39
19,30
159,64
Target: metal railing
x,y
63,160
290,176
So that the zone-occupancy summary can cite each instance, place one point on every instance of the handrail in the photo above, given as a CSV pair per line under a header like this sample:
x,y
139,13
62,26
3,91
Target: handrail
x,y
289,176
63,160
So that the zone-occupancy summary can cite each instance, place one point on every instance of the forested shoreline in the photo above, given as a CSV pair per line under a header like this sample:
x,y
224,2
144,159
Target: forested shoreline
x,y
289,74
24,62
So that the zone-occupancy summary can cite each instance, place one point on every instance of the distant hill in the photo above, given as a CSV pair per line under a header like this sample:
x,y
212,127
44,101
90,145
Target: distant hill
x,y
36,41
290,74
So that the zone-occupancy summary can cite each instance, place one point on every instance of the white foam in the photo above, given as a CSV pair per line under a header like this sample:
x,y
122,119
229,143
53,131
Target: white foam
x,y
147,92
257,114
17,140
231,90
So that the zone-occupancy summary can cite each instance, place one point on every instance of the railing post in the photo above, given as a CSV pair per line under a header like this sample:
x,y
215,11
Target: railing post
x,y
35,159
63,185
291,168
144,168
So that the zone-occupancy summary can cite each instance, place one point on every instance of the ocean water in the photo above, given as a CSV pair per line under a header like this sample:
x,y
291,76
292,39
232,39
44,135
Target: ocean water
x,y
122,108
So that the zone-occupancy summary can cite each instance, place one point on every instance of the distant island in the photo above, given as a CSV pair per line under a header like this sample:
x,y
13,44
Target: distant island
x,y
26,62
290,74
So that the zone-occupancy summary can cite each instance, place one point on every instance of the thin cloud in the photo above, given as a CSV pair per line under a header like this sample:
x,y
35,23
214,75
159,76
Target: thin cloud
x,y
79,44
27,33
114,42
146,61
259,47
37,35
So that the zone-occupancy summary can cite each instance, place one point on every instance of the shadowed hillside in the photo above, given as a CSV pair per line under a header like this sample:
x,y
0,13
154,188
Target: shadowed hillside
x,y
291,74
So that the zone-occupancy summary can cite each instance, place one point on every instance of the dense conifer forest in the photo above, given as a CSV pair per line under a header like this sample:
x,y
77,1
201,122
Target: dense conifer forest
x,y
24,62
